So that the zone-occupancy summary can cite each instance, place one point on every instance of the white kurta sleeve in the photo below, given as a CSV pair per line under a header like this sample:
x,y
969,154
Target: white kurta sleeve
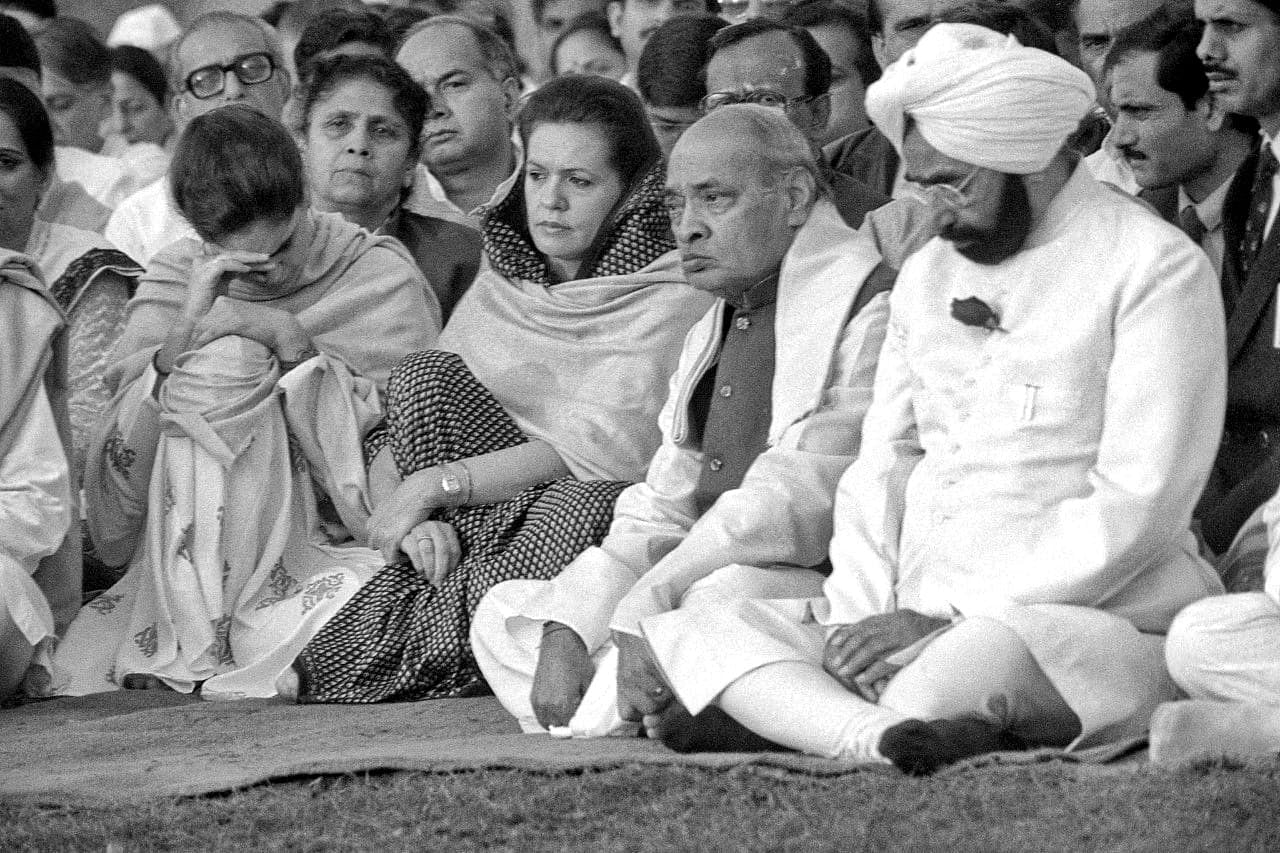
x,y
871,496
35,490
1163,412
781,513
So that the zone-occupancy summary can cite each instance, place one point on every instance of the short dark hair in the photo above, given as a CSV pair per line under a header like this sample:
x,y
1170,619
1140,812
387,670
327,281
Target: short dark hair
x,y
672,68
232,167
401,19
1004,18
817,65
592,22
142,66
43,9
1173,37
25,110
70,48
710,7
19,48
875,18
602,103
826,13
336,27
327,75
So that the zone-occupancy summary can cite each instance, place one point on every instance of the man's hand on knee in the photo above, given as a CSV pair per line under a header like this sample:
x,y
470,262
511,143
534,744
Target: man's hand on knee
x,y
856,655
564,672
641,688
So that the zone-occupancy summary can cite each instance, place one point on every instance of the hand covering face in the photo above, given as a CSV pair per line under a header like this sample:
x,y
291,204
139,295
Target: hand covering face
x,y
981,97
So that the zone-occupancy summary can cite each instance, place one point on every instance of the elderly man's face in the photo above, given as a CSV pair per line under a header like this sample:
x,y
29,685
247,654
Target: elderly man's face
x,y
470,114
1240,50
1098,21
732,218
769,62
221,43
1163,142
985,214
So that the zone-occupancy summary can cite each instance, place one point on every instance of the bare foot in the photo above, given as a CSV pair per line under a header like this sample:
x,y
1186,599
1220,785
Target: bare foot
x,y
920,748
712,730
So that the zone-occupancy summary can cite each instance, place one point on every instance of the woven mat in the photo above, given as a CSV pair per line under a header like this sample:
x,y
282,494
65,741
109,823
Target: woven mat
x,y
137,745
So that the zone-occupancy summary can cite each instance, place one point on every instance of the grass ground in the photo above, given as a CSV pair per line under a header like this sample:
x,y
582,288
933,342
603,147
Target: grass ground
x,y
1040,807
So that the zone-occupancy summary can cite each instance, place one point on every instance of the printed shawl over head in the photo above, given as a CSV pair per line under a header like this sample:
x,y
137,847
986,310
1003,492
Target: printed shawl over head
x,y
360,297
582,364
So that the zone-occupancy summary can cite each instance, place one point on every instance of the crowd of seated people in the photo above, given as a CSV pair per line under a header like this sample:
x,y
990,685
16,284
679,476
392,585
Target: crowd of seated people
x,y
890,381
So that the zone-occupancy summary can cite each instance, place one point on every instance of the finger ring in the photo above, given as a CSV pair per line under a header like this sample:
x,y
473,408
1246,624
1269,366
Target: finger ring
x,y
657,692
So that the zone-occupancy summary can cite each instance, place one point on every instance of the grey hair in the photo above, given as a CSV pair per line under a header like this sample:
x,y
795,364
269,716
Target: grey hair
x,y
221,16
781,145
498,58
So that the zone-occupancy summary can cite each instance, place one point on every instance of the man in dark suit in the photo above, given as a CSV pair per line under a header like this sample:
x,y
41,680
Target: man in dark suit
x,y
1240,50
1183,148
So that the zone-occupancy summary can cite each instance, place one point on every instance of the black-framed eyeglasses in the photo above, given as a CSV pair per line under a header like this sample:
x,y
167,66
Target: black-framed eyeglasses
x,y
763,97
250,69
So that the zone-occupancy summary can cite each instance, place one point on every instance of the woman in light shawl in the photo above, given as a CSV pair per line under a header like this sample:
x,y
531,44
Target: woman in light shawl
x,y
504,456
227,472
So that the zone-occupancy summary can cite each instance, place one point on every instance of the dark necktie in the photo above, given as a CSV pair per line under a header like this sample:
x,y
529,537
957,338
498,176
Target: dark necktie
x,y
1259,206
1191,224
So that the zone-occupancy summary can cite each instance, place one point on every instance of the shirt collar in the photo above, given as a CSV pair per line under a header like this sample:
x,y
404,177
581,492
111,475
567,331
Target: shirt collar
x,y
759,295
1210,210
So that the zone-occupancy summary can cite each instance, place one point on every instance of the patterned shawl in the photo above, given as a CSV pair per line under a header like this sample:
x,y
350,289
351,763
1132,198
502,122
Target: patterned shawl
x,y
637,234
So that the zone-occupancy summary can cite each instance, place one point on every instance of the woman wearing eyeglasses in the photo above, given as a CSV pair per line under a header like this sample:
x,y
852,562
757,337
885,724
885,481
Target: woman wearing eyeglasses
x,y
503,456
227,473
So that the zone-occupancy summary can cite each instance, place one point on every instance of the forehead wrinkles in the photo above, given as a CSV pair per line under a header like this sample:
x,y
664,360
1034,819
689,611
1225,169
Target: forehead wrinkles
x,y
221,43
751,64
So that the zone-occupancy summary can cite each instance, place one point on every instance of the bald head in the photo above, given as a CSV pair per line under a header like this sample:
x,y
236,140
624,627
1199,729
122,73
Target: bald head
x,y
1098,21
740,183
764,136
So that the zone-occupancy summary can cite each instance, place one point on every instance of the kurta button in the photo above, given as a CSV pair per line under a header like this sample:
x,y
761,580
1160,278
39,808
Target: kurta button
x,y
726,391
743,323
716,463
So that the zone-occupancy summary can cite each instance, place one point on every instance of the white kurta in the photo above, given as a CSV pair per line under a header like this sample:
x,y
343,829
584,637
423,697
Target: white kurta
x,y
35,512
1042,474
756,539
146,222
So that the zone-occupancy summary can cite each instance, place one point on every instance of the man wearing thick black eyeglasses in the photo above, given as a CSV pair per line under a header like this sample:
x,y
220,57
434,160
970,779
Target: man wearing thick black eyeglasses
x,y
223,58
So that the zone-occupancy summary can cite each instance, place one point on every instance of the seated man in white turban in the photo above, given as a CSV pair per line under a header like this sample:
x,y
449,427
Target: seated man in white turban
x,y
764,415
1012,541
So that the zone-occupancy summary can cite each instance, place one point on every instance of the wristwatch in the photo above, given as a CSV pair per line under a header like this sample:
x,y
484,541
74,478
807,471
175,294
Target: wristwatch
x,y
450,484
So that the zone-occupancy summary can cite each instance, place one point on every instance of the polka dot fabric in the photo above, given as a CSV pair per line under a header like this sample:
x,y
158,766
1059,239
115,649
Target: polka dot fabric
x,y
639,235
400,638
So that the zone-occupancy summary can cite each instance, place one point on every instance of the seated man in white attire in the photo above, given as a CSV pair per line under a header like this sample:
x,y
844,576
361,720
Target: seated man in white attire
x,y
764,415
1013,540
223,58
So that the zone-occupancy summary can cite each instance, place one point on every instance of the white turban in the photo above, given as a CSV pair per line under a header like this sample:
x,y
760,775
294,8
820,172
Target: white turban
x,y
982,98
151,28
